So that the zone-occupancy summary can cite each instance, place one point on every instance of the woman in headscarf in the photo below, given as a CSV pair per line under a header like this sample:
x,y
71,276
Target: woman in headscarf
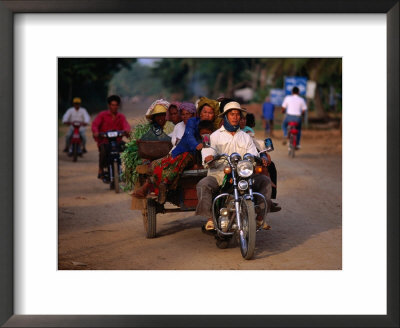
x,y
159,126
187,110
214,106
173,113
167,170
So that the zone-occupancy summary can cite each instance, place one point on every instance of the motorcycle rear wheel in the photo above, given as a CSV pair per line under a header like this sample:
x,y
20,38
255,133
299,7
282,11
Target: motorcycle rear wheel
x,y
291,146
116,177
247,236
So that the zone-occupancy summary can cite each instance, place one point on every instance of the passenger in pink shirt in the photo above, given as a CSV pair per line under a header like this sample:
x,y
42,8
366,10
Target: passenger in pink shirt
x,y
105,121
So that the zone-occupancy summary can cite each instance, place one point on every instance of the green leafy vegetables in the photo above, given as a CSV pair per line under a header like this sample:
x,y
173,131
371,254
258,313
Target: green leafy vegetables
x,y
130,157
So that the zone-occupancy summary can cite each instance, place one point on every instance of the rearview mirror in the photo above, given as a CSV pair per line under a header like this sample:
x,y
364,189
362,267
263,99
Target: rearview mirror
x,y
269,146
206,140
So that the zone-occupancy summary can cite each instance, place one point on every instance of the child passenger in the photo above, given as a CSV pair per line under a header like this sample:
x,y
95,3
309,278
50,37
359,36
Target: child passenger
x,y
247,124
205,128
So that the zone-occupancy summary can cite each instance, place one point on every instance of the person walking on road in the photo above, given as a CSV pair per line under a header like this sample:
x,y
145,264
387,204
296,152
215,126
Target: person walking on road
x,y
76,114
268,117
294,106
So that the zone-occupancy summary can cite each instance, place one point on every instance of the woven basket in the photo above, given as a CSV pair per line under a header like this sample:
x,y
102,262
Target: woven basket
x,y
153,149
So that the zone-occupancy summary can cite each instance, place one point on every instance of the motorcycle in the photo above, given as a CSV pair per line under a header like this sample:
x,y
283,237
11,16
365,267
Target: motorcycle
x,y
234,209
292,136
114,147
75,142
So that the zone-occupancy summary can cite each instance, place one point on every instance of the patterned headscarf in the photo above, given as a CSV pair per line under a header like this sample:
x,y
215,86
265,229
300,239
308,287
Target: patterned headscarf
x,y
214,105
173,103
157,107
190,107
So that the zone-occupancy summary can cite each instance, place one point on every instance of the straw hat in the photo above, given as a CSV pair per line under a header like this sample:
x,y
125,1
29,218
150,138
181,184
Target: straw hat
x,y
232,105
158,107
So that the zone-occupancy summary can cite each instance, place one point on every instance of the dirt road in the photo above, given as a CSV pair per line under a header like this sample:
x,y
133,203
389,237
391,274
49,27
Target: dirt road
x,y
97,229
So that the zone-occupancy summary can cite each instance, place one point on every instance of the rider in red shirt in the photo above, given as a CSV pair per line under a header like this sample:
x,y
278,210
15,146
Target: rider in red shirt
x,y
105,121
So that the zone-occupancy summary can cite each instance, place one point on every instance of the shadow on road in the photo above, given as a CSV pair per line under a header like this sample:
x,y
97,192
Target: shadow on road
x,y
172,227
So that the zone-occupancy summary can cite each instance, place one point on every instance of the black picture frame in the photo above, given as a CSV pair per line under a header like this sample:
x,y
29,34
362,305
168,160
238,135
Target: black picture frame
x,y
7,10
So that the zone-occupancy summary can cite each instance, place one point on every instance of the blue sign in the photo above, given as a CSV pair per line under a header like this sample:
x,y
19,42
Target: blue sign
x,y
276,96
295,81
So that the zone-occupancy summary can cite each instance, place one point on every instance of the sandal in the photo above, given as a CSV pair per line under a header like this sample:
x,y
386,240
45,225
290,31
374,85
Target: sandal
x,y
142,191
210,225
262,225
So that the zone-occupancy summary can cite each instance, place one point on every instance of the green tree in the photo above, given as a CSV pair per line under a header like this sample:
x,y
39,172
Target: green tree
x,y
173,74
324,71
87,78
212,75
189,78
137,80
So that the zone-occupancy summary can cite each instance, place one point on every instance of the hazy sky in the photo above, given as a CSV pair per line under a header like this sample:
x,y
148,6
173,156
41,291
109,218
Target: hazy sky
x,y
147,61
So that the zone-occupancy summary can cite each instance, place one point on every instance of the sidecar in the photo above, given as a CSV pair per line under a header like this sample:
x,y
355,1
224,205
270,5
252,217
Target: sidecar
x,y
184,197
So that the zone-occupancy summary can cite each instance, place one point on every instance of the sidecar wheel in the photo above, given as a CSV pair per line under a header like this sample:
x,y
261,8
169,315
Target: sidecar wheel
x,y
150,218
247,236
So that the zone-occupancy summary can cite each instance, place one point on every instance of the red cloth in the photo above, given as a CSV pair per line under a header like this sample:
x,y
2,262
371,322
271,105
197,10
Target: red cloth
x,y
167,169
105,121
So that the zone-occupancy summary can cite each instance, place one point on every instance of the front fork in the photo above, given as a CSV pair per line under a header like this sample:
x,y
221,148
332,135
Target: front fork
x,y
237,201
111,168
250,196
237,207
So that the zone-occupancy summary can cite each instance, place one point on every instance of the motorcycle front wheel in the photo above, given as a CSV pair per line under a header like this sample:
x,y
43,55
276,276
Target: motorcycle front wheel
x,y
74,152
247,236
116,177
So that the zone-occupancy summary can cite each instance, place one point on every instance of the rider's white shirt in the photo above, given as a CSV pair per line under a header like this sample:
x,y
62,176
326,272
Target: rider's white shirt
x,y
294,105
226,143
80,115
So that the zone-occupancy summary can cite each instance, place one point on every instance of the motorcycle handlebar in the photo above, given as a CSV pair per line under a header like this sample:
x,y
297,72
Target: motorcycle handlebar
x,y
76,123
218,157
120,133
258,159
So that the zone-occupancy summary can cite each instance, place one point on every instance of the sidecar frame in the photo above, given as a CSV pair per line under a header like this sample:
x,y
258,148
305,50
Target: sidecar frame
x,y
184,197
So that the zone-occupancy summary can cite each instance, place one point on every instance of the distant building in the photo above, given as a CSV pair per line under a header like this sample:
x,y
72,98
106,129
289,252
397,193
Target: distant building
x,y
245,94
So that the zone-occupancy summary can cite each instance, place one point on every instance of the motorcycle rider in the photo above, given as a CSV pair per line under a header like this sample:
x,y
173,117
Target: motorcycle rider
x,y
229,139
294,106
105,121
76,114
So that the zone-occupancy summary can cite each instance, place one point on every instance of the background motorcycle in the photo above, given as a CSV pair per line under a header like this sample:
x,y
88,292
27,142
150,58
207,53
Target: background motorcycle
x,y
114,147
292,136
75,142
234,208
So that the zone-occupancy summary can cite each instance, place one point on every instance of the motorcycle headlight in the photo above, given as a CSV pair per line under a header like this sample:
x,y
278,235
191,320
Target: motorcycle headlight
x,y
245,169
